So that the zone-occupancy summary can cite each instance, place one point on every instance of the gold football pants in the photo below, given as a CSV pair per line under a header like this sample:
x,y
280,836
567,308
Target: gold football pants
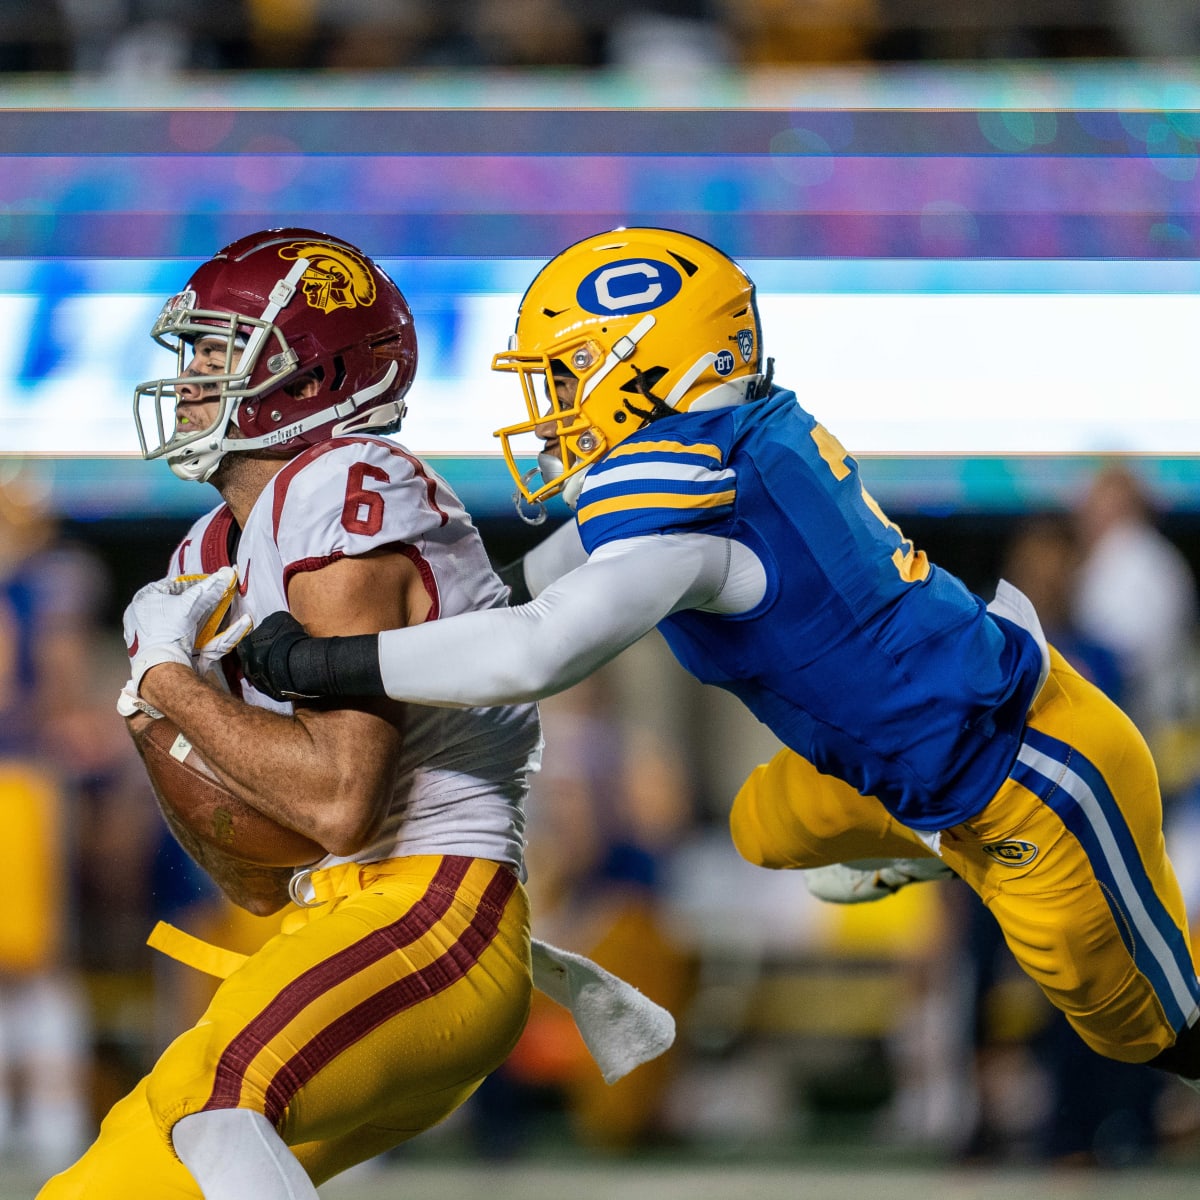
x,y
1068,855
365,1021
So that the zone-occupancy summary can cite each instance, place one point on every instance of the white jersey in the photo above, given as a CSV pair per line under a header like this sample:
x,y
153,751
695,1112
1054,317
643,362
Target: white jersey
x,y
462,779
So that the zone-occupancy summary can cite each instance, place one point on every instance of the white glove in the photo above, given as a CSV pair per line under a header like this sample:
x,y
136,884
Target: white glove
x,y
203,661
869,879
171,619
129,702
210,652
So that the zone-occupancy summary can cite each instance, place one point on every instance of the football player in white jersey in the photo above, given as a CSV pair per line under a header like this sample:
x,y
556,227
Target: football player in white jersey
x,y
403,977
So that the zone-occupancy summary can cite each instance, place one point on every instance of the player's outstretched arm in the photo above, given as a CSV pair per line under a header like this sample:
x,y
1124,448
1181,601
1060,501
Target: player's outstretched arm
x,y
505,655
281,660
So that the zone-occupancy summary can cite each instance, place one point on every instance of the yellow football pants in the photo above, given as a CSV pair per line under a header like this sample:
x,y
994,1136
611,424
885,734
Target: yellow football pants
x,y
1068,855
365,1021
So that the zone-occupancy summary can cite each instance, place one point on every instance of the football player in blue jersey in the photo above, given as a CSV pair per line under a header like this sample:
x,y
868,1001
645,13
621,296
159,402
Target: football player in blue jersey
x,y
923,729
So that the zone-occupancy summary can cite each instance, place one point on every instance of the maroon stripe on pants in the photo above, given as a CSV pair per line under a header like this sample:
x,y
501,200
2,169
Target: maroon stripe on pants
x,y
329,973
356,1023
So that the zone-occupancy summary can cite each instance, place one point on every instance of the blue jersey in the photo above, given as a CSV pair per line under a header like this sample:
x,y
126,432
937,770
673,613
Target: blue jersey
x,y
872,663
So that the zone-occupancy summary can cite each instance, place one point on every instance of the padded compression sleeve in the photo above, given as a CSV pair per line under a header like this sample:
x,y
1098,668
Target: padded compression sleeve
x,y
283,662
510,655
336,666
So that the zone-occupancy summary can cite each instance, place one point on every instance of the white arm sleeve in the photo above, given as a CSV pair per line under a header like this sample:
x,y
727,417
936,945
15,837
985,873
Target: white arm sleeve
x,y
510,655
553,557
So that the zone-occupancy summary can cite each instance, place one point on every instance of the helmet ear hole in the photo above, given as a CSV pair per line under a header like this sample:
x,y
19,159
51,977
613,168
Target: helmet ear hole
x,y
642,383
304,385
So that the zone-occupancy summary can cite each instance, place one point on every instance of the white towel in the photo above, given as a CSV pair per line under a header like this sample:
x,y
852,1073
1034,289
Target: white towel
x,y
621,1027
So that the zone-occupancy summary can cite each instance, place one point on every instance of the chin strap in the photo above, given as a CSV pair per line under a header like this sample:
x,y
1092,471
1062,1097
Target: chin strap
x,y
659,407
531,514
765,380
752,387
345,409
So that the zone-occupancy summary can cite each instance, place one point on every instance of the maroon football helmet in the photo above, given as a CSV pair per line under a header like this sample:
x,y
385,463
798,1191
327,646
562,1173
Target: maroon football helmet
x,y
293,305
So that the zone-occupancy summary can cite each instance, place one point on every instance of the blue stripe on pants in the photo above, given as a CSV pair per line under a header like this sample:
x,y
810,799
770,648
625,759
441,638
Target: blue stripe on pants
x,y
1077,792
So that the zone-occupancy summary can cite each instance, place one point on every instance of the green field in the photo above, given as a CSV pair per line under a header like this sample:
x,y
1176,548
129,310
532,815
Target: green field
x,y
629,1182
585,1180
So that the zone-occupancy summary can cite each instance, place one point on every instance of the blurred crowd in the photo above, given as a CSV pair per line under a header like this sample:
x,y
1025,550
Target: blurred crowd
x,y
87,862
152,36
904,1022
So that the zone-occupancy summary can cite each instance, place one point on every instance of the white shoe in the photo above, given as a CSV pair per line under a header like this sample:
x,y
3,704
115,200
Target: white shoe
x,y
871,878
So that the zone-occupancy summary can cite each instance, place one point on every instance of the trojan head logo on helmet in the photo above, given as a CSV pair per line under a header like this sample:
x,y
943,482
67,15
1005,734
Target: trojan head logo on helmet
x,y
621,329
336,276
319,342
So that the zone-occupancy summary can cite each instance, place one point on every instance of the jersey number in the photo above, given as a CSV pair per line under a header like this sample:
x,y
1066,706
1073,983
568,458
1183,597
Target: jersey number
x,y
363,510
910,562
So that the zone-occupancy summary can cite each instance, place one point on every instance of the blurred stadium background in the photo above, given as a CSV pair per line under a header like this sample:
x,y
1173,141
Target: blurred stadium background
x,y
975,231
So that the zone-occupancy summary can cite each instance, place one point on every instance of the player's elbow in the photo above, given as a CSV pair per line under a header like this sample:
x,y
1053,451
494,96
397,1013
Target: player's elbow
x,y
555,668
345,844
349,822
518,687
346,836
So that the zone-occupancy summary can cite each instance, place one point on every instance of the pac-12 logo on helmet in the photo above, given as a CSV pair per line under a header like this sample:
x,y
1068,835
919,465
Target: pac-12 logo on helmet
x,y
336,277
632,285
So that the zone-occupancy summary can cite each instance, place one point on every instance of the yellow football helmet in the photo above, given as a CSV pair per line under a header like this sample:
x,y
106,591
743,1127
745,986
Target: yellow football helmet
x,y
618,330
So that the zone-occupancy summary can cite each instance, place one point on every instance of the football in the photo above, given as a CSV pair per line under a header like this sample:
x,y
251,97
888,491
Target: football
x,y
185,784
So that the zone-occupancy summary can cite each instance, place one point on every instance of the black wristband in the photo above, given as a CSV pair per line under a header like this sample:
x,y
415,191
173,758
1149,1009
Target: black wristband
x,y
336,666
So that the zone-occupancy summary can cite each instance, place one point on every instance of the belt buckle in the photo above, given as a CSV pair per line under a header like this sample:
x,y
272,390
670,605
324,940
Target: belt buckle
x,y
294,885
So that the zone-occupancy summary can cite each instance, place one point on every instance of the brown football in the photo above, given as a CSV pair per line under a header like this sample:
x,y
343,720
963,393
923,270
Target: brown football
x,y
183,782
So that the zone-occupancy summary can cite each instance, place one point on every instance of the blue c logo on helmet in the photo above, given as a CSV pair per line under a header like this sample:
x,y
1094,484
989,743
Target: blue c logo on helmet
x,y
632,285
